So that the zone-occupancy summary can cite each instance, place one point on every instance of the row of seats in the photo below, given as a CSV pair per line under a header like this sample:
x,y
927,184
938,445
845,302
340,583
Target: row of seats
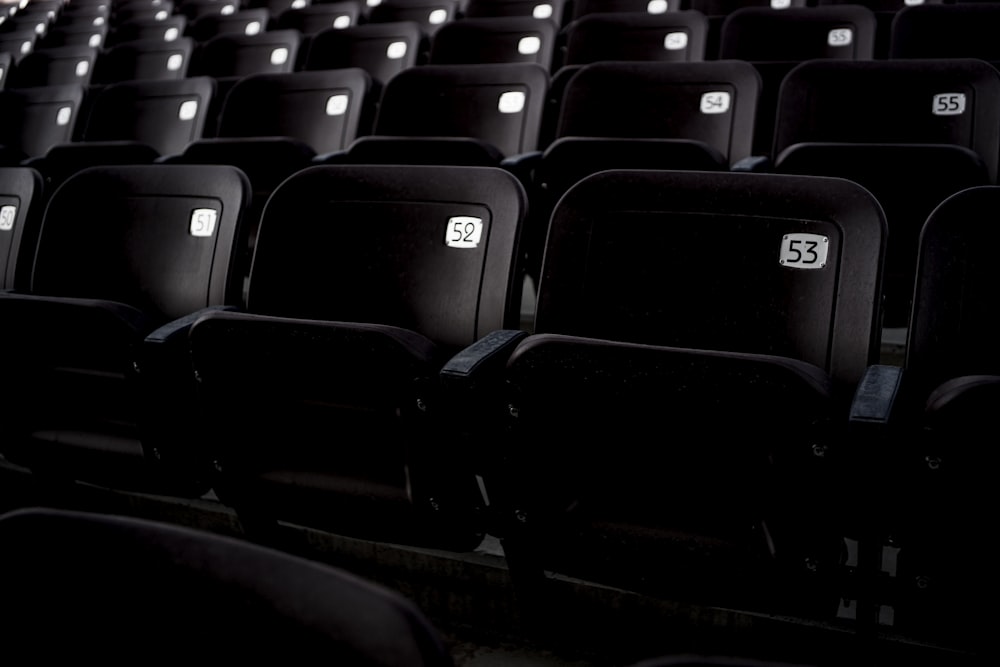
x,y
925,131
701,386
244,42
96,586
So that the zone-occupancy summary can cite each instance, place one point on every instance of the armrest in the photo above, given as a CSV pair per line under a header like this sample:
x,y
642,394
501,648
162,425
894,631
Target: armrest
x,y
63,318
169,407
874,402
754,163
522,166
482,361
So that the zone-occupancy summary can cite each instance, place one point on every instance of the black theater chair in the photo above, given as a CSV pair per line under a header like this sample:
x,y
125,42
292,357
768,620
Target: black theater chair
x,y
925,428
927,132
365,280
83,586
674,425
122,251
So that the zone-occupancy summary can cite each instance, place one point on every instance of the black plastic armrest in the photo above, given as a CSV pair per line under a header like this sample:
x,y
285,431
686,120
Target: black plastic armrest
x,y
522,165
875,399
482,360
174,330
754,163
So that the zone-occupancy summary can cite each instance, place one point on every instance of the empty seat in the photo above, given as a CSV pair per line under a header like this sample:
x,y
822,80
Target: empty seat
x,y
553,10
273,125
56,66
189,592
18,44
437,113
924,427
144,59
929,134
845,32
6,65
584,7
963,30
429,14
243,22
776,41
235,55
504,39
21,203
313,18
168,30
365,280
161,248
32,120
672,36
646,115
324,109
652,431
381,49
133,122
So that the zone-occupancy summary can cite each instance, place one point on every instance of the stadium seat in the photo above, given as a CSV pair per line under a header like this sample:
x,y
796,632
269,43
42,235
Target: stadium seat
x,y
56,66
160,248
381,49
144,59
926,132
672,36
365,280
673,425
243,22
961,30
501,39
923,427
644,115
22,198
32,120
552,10
75,577
236,55
429,14
456,114
319,16
775,41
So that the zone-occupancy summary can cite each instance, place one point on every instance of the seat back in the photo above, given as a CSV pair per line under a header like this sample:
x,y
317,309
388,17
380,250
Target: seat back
x,y
845,32
953,314
506,39
554,10
774,282
325,109
381,49
365,279
429,14
306,264
56,66
961,30
144,59
163,244
238,55
244,22
165,115
319,16
671,36
32,120
713,102
937,101
21,202
500,104
139,578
